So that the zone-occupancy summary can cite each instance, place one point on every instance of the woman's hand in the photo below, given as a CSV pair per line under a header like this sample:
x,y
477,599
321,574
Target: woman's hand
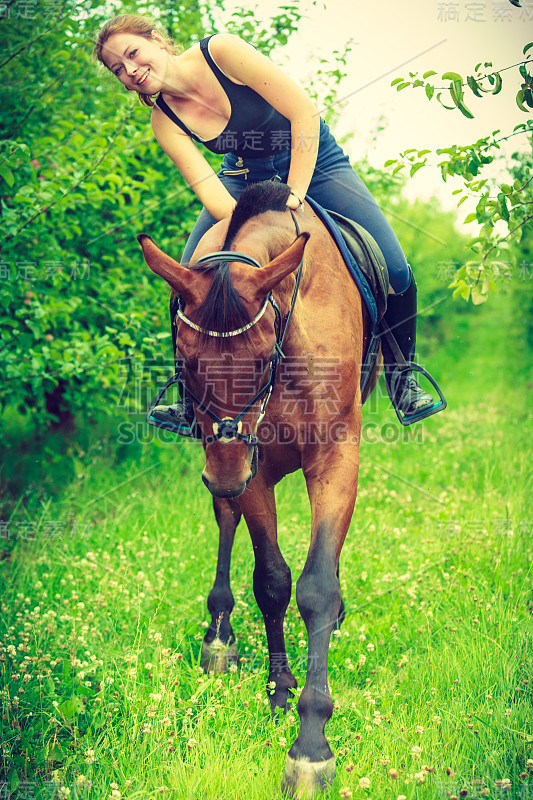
x,y
294,202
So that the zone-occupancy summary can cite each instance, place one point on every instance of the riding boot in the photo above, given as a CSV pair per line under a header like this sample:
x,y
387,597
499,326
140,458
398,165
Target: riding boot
x,y
179,416
404,391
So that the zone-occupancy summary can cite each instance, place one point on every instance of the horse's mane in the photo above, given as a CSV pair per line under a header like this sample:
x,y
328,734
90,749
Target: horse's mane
x,y
223,309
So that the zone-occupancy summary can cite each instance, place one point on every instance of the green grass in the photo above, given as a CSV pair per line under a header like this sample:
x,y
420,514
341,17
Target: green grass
x,y
102,621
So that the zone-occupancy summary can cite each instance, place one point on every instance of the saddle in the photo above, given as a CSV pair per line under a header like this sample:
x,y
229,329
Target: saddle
x,y
368,257
366,264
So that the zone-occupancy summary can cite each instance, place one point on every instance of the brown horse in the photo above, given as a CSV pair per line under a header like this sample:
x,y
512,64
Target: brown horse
x,y
271,334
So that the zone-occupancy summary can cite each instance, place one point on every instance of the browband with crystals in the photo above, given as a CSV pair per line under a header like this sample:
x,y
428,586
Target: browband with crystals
x,y
223,334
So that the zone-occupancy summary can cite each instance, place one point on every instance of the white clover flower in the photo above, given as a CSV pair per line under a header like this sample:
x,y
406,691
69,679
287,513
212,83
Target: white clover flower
x,y
364,783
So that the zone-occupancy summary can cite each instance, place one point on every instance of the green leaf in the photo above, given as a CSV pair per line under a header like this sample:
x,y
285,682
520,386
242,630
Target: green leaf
x,y
464,110
456,91
480,209
502,207
520,100
527,47
430,91
463,290
395,81
498,83
71,708
402,86
429,73
452,76
443,104
14,781
478,296
7,175
470,218
416,167
471,81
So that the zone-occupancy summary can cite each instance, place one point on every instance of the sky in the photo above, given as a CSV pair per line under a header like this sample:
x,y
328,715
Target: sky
x,y
393,37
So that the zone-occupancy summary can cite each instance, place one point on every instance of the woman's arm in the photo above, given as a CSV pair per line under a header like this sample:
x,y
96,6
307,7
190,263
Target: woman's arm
x,y
193,166
243,63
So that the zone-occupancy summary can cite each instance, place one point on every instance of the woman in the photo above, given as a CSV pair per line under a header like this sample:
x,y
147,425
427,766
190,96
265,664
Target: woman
x,y
224,94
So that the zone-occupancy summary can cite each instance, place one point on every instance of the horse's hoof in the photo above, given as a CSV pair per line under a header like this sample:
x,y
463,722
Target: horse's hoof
x,y
217,657
305,779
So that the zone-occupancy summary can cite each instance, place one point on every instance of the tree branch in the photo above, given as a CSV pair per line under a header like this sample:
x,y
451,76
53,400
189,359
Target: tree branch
x,y
33,102
27,45
75,185
503,238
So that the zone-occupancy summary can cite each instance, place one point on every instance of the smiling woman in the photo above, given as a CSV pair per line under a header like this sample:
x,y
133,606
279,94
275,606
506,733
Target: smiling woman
x,y
224,94
140,34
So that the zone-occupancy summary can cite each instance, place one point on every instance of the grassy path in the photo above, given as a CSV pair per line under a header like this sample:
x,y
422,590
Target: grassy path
x,y
104,608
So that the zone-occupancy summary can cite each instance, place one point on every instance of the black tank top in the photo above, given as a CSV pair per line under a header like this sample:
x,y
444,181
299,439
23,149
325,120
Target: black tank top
x,y
254,130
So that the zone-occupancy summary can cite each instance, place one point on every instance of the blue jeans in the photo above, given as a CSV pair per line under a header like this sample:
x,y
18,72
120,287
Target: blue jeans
x,y
335,186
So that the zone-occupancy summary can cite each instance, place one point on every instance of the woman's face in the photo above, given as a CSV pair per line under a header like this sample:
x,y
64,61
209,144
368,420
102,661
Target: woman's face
x,y
139,63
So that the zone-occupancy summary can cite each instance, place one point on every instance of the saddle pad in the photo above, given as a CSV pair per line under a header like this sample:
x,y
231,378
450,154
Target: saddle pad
x,y
363,259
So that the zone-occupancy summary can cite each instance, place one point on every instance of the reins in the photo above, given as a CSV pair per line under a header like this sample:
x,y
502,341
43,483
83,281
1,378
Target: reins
x,y
229,428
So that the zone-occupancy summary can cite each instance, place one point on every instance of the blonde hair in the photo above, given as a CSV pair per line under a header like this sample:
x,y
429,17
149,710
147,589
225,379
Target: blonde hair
x,y
139,25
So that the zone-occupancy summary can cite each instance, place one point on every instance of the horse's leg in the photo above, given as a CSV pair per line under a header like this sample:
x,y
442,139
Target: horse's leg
x,y
219,648
342,610
332,486
272,586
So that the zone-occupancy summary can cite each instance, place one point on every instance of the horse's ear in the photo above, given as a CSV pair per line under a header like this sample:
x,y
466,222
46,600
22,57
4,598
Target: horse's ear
x,y
179,278
266,278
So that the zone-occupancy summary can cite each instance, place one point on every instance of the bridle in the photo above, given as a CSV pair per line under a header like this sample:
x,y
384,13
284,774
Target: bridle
x,y
229,428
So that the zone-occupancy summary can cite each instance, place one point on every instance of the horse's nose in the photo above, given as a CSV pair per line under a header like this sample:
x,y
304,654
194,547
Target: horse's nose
x,y
224,489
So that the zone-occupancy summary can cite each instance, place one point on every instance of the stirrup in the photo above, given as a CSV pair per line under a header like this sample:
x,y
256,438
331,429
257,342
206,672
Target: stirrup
x,y
408,419
190,432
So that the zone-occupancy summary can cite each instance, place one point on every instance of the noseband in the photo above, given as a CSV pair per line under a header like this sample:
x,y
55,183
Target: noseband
x,y
228,428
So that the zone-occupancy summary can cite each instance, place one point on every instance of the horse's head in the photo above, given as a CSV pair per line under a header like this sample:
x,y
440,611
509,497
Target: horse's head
x,y
226,339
